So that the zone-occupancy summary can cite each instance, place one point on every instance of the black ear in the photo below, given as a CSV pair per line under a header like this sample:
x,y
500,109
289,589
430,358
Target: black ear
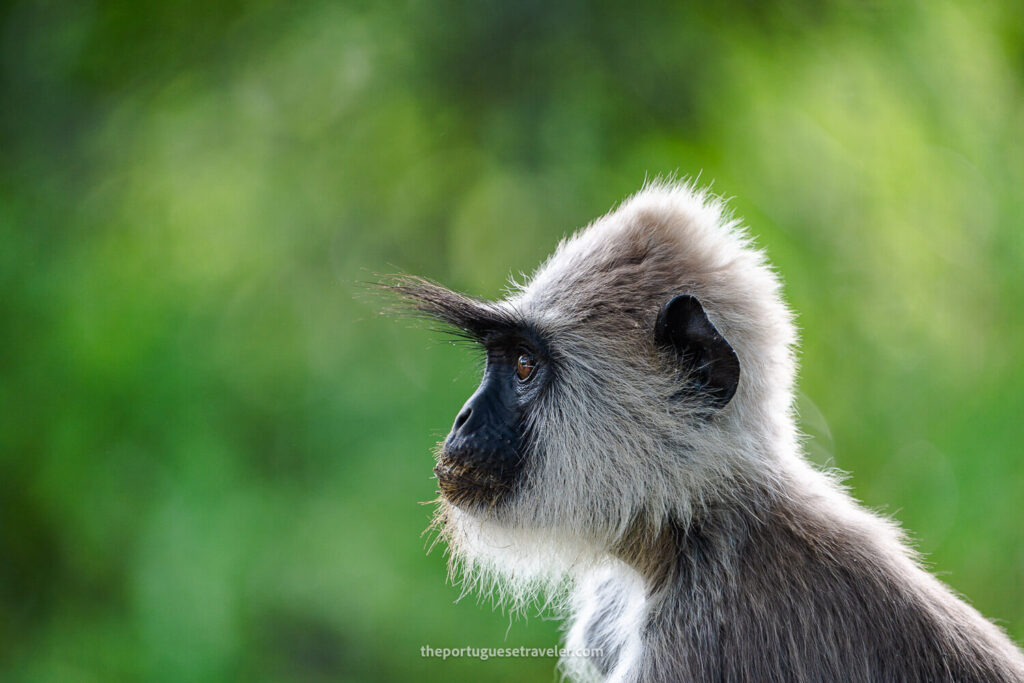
x,y
684,327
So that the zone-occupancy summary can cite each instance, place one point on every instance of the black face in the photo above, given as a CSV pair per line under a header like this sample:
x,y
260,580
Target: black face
x,y
483,455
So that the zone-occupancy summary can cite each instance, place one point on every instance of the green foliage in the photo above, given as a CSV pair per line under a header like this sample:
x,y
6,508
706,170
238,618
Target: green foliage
x,y
212,447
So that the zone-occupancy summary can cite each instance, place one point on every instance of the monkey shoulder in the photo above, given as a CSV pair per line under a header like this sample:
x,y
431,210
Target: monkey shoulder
x,y
798,595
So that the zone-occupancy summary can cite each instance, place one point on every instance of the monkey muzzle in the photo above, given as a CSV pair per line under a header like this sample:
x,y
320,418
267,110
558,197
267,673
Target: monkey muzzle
x,y
470,476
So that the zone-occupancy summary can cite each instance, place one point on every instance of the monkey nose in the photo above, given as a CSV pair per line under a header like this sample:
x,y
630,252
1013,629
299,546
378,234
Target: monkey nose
x,y
462,418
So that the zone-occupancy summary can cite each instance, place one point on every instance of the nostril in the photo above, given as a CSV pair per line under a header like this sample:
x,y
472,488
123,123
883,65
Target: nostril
x,y
463,416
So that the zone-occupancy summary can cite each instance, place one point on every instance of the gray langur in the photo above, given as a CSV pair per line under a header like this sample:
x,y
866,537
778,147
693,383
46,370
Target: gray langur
x,y
632,447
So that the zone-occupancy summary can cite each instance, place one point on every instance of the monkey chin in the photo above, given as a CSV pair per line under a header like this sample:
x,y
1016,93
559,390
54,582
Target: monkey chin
x,y
469,488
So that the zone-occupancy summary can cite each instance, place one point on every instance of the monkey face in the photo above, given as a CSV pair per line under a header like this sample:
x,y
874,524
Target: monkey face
x,y
546,415
482,461
483,456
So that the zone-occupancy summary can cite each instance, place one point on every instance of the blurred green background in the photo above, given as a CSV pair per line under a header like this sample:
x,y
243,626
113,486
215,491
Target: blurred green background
x,y
213,448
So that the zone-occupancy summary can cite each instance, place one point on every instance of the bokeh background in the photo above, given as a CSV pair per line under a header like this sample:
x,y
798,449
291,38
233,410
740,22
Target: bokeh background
x,y
213,449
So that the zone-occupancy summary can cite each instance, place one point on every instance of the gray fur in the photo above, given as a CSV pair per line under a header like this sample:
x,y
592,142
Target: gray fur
x,y
694,546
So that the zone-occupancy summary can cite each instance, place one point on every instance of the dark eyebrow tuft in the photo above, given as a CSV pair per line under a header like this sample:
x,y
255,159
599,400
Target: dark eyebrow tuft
x,y
469,317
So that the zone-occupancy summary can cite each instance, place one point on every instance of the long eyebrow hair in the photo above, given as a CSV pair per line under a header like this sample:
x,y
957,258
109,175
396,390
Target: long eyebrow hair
x,y
467,317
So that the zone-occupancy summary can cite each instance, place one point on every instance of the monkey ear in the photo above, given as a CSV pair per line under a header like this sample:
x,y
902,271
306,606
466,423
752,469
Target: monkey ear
x,y
684,327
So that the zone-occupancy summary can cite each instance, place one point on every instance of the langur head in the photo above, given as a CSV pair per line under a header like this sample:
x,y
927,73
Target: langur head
x,y
642,373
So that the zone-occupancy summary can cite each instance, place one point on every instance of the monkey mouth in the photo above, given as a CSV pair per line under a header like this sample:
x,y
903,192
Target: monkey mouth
x,y
463,485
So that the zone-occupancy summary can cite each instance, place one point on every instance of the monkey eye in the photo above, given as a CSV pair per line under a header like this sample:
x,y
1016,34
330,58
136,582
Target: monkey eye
x,y
526,365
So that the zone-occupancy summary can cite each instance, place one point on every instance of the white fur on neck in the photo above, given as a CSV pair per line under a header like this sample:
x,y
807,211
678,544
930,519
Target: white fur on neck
x,y
622,630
